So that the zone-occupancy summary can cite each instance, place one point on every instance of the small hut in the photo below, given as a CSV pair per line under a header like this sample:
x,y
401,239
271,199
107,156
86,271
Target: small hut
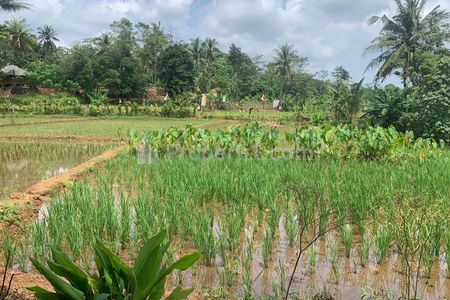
x,y
277,105
12,76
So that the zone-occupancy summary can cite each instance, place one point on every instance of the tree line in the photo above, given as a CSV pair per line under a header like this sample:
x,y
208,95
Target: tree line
x,y
126,61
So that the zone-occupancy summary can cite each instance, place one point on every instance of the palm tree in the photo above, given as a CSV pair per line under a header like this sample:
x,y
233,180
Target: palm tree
x,y
47,37
13,5
210,50
197,52
286,63
408,32
20,38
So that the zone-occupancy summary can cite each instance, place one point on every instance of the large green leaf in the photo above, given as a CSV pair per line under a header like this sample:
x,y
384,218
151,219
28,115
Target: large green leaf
x,y
179,294
148,273
184,263
60,286
42,294
62,266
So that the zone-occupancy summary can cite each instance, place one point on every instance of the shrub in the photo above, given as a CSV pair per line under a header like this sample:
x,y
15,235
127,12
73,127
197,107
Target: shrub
x,y
113,278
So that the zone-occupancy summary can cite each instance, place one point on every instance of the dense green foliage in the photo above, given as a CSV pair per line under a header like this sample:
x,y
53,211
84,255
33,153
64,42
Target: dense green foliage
x,y
177,72
255,141
137,62
114,279
424,108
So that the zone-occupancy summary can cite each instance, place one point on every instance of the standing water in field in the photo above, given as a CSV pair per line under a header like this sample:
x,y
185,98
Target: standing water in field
x,y
23,164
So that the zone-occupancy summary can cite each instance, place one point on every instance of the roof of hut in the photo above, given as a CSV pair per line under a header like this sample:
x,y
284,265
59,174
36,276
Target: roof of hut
x,y
13,71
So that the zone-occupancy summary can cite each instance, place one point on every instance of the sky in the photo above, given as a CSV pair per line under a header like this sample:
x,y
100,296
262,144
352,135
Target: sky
x,y
329,32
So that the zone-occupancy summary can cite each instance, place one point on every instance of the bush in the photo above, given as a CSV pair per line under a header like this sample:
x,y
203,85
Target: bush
x,y
113,278
172,110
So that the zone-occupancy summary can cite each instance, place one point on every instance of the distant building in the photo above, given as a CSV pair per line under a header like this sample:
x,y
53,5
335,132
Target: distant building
x,y
11,77
277,105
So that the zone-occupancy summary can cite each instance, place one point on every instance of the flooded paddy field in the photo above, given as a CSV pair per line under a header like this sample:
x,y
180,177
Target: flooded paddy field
x,y
249,219
24,163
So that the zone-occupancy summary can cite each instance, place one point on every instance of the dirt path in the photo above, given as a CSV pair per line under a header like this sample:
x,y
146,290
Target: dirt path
x,y
17,124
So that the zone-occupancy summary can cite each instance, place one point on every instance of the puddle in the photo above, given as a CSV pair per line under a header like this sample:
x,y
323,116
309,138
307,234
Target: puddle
x,y
23,164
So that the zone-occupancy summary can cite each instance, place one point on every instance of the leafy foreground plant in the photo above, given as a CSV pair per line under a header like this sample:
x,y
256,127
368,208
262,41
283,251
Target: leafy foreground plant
x,y
114,279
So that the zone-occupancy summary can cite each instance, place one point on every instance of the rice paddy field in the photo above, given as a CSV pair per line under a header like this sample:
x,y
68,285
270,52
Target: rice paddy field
x,y
353,223
23,163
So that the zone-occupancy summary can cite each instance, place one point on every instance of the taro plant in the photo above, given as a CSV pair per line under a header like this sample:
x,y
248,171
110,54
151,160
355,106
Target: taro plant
x,y
113,278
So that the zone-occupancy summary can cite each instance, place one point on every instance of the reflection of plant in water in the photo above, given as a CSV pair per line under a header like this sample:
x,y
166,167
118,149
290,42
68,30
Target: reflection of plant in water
x,y
367,294
364,249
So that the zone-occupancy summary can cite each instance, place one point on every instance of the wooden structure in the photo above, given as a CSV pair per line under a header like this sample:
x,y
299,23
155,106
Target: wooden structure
x,y
11,77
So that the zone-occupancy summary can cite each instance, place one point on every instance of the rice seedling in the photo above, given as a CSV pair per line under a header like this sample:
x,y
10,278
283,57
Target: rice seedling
x,y
227,274
346,234
333,254
267,246
364,249
382,241
246,266
203,236
428,259
281,272
22,254
274,218
125,221
313,254
291,226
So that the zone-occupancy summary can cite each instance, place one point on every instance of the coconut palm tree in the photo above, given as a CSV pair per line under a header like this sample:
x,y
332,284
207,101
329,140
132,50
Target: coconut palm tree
x,y
286,63
410,31
13,5
210,50
20,38
47,37
197,52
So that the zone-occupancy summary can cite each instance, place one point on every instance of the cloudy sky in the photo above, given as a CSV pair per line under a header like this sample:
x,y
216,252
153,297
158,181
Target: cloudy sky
x,y
328,32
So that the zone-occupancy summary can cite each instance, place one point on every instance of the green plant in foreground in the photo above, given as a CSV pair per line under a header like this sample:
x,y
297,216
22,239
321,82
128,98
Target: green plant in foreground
x,y
114,279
